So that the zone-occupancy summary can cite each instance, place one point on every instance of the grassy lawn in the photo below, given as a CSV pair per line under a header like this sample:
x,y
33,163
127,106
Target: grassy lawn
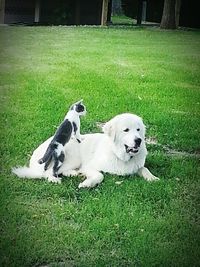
x,y
123,20
153,73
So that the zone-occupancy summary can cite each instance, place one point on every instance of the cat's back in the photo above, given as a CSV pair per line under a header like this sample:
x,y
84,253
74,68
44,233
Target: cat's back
x,y
63,132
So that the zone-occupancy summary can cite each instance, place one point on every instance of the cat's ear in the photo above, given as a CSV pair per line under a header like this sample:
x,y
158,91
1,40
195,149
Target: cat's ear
x,y
80,101
75,104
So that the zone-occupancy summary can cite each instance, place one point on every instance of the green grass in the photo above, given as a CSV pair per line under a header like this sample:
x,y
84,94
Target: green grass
x,y
153,73
123,20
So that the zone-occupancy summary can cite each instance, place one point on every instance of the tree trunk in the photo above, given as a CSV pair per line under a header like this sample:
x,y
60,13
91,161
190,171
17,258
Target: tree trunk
x,y
139,12
109,12
2,11
168,17
177,12
104,13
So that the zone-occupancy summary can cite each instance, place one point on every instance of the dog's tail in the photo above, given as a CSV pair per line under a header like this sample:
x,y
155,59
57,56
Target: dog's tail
x,y
26,172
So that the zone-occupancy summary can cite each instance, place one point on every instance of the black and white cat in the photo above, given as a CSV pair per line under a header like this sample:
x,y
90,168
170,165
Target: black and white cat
x,y
70,127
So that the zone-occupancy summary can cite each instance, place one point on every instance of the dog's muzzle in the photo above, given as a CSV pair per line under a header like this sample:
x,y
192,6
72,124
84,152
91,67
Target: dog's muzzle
x,y
131,150
135,149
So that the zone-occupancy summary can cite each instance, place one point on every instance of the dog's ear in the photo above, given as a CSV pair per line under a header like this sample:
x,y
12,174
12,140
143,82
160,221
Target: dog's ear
x,y
109,129
143,127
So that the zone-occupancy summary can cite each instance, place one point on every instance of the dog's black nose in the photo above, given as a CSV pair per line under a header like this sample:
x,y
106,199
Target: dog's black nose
x,y
138,142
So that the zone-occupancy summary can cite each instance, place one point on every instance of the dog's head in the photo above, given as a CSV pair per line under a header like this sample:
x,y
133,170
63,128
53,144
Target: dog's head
x,y
127,133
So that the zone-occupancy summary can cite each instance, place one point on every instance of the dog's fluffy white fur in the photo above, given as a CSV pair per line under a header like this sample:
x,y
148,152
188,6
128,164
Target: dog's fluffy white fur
x,y
120,150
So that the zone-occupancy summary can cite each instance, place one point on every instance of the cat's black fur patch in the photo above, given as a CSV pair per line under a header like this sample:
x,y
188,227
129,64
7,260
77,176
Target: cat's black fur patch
x,y
75,130
74,126
79,108
63,133
57,160
62,136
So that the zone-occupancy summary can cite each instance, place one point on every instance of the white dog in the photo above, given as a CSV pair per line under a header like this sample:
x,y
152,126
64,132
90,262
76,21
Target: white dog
x,y
120,150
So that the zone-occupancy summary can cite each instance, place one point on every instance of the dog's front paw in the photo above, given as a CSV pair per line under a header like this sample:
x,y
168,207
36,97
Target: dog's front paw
x,y
70,173
86,184
54,180
152,179
147,175
83,185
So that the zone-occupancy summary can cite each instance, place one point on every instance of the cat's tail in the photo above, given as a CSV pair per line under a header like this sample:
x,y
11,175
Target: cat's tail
x,y
47,154
26,172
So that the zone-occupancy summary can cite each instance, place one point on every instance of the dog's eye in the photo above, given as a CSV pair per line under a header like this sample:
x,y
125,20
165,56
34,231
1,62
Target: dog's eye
x,y
126,130
138,129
